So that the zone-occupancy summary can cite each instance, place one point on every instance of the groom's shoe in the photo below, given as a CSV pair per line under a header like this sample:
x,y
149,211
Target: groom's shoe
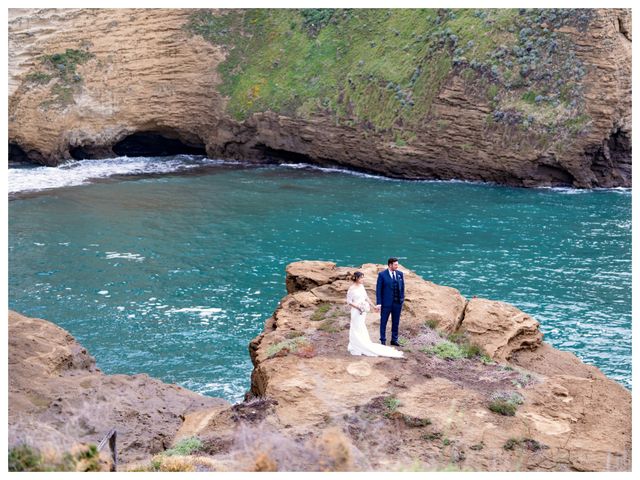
x,y
394,343
383,342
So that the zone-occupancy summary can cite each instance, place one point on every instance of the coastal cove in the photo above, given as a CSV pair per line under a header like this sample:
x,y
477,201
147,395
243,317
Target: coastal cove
x,y
173,274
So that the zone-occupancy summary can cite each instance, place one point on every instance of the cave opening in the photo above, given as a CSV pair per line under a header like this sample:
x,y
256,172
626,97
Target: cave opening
x,y
17,155
154,144
80,153
274,155
611,160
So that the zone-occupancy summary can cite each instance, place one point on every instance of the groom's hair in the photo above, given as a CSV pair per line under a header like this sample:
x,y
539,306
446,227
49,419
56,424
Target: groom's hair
x,y
392,260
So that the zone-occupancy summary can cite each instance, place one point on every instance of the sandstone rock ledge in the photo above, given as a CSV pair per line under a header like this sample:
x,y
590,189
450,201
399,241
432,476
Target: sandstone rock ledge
x,y
58,398
572,416
312,406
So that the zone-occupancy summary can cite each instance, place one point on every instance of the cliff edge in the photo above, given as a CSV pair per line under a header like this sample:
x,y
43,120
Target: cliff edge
x,y
58,398
478,390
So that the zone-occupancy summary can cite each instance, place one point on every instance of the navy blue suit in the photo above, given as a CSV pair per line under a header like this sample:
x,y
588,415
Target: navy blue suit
x,y
390,295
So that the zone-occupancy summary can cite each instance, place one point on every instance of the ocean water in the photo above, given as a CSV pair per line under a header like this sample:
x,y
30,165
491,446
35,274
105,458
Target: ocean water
x,y
170,266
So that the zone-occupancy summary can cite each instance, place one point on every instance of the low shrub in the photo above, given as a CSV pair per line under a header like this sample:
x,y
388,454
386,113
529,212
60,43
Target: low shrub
x,y
320,312
329,326
528,443
432,324
82,458
290,345
39,77
186,446
505,403
293,334
432,436
511,444
65,63
456,346
446,350
25,459
392,403
413,422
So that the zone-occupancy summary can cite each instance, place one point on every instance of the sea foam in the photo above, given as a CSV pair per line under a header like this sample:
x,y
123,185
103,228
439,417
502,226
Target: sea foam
x,y
81,172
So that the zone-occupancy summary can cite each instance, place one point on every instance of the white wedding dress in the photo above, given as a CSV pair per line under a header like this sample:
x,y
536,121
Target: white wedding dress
x,y
359,341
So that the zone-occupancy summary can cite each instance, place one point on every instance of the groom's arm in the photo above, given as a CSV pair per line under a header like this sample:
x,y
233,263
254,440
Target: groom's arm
x,y
379,290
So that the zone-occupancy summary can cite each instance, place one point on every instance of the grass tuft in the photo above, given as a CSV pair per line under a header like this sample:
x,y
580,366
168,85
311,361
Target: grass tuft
x,y
82,458
320,312
185,446
432,324
291,345
392,404
526,443
39,78
505,403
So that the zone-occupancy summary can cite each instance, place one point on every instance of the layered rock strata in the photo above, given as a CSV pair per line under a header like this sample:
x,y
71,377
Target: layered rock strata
x,y
148,75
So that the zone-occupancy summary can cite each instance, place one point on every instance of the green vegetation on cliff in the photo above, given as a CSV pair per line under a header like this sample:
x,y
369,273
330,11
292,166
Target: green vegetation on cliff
x,y
62,67
383,68
83,458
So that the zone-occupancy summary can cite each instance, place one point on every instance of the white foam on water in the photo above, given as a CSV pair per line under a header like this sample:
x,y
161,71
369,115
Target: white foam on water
x,y
202,311
578,191
308,166
81,172
126,255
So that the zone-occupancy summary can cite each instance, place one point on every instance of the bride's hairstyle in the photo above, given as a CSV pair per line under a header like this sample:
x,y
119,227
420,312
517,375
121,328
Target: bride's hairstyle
x,y
356,276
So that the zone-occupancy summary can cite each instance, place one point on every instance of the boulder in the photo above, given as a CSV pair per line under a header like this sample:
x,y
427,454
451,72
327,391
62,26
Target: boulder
x,y
499,328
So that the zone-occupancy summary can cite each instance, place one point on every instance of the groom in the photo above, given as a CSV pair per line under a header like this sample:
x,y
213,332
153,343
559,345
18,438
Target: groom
x,y
389,296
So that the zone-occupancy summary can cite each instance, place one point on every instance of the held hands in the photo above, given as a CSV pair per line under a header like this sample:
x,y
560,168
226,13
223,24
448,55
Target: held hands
x,y
377,308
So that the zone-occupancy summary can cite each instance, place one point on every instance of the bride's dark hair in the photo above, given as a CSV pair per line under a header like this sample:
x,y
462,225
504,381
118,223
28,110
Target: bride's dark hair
x,y
356,276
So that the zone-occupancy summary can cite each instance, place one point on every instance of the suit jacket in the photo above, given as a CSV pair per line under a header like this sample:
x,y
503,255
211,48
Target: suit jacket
x,y
384,288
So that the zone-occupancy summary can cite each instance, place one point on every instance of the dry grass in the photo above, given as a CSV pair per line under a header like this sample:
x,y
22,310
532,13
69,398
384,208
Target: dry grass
x,y
263,449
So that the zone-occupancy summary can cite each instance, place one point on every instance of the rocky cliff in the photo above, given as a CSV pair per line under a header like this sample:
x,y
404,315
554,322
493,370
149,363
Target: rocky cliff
x,y
520,97
478,390
58,398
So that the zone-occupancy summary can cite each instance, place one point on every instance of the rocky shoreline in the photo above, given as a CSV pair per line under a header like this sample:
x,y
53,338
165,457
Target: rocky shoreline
x,y
497,398
101,99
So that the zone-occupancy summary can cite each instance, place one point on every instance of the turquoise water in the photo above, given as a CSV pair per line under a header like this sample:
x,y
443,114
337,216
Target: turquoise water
x,y
173,275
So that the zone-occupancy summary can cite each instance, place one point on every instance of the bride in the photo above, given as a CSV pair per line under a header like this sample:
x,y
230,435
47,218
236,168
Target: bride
x,y
359,341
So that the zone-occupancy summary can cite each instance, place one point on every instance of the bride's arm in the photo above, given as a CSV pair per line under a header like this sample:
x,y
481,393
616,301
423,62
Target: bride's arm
x,y
375,307
350,300
366,295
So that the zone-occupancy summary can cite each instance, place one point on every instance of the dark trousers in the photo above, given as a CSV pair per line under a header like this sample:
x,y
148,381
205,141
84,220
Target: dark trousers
x,y
393,309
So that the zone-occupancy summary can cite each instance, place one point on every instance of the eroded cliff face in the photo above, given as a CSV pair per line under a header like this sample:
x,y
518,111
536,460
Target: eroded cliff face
x,y
144,72
59,399
313,406
434,410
